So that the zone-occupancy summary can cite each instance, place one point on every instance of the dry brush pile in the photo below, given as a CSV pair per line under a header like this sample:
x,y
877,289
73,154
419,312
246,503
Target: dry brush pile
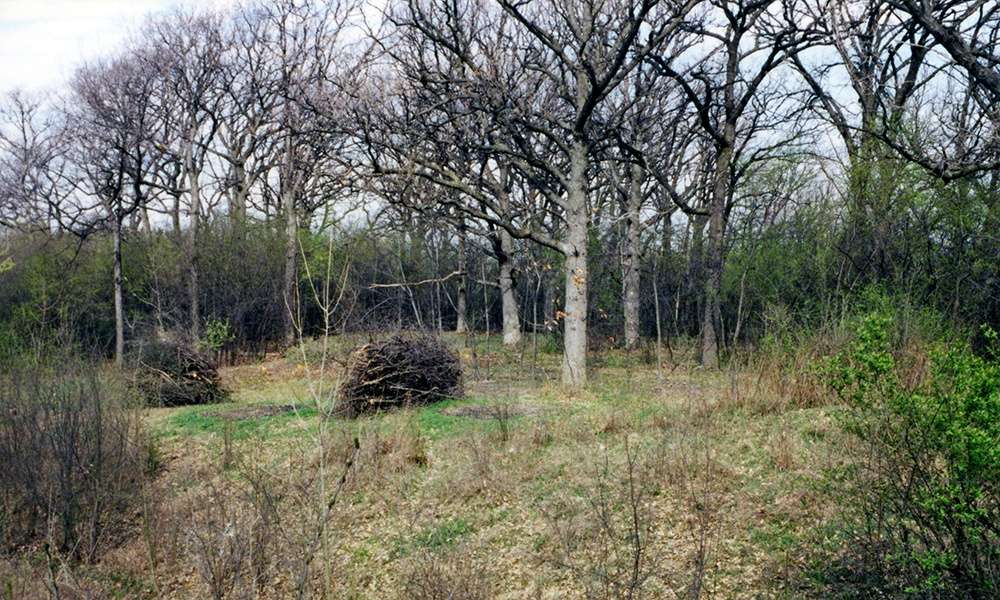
x,y
173,373
400,371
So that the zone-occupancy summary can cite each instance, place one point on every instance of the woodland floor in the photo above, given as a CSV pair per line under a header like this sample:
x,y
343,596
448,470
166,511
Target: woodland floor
x,y
692,484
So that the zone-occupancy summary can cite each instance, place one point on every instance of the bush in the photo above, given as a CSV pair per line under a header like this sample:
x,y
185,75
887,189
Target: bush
x,y
927,479
74,458
401,371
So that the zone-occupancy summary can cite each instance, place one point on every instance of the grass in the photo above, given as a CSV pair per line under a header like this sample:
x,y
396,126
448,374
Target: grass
x,y
729,496
433,538
221,419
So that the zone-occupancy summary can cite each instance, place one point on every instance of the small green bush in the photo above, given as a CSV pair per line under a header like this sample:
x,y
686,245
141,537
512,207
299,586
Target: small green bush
x,y
926,480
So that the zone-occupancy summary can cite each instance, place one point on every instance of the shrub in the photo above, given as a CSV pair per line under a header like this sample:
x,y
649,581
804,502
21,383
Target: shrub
x,y
74,458
401,371
926,483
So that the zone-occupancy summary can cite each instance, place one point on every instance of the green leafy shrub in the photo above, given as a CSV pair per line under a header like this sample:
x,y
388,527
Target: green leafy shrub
x,y
216,335
926,479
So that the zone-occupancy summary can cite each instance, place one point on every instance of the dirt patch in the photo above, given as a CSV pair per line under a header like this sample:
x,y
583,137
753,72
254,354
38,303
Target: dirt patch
x,y
249,413
492,411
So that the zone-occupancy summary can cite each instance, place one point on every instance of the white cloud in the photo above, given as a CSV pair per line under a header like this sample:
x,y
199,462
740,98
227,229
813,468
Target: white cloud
x,y
43,41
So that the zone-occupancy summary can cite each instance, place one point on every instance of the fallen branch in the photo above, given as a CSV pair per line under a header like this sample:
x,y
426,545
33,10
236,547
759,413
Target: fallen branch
x,y
424,282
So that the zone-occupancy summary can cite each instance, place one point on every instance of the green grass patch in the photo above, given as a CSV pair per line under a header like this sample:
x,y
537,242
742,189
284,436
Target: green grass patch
x,y
437,425
217,420
433,538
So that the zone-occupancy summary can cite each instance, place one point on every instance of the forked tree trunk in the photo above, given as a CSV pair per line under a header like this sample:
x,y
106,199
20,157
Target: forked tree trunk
x,y
503,245
503,248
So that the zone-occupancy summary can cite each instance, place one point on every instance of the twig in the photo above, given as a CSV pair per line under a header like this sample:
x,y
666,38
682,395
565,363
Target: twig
x,y
327,513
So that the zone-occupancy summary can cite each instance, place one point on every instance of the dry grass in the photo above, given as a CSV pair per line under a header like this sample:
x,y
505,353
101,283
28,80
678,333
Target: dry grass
x,y
700,485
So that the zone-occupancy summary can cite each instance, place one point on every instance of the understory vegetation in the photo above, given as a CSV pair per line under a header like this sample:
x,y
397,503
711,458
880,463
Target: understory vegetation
x,y
858,460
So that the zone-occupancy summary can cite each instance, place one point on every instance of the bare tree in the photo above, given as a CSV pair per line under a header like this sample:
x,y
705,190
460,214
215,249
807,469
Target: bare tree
x,y
532,81
960,137
728,84
111,120
189,49
648,161
32,163
884,57
299,44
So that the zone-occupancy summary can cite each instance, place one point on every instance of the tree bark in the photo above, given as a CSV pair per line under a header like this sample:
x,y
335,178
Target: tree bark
x,y
119,305
291,253
462,302
288,190
194,214
574,369
238,196
711,319
503,246
631,258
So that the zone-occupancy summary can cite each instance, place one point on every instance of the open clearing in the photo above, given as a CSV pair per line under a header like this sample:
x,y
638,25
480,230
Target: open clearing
x,y
695,484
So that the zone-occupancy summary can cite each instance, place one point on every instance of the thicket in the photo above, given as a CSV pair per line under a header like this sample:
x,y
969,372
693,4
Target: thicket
x,y
924,483
75,457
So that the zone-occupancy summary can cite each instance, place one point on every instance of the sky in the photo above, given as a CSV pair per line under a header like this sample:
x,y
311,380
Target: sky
x,y
42,41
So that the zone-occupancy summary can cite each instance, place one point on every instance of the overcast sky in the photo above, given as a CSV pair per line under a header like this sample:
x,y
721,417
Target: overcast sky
x,y
42,41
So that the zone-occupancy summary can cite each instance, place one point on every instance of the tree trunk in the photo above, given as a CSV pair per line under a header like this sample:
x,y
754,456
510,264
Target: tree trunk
x,y
574,370
194,215
291,253
503,246
548,300
238,196
711,316
631,258
175,214
119,306
462,302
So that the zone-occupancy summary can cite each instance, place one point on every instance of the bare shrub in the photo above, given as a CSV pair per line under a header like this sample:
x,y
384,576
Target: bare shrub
x,y
604,537
74,456
264,496
480,468
218,538
502,411
686,464
445,576
782,446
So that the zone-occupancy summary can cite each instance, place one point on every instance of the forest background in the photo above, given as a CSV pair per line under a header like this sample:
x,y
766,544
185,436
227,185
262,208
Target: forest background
x,y
803,188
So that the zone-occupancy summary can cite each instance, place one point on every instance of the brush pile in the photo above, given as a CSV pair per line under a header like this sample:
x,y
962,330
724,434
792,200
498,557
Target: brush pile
x,y
398,372
172,373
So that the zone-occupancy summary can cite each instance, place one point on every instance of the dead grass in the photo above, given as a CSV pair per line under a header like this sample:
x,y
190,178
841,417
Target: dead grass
x,y
724,492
